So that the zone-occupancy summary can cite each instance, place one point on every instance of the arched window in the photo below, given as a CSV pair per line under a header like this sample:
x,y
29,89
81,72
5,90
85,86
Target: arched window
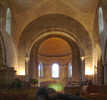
x,y
55,70
100,20
40,70
69,70
8,21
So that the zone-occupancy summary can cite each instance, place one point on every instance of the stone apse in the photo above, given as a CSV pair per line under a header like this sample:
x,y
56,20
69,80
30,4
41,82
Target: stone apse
x,y
84,54
64,20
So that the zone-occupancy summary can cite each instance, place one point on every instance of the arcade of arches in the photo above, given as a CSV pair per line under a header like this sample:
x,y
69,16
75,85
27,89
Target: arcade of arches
x,y
54,40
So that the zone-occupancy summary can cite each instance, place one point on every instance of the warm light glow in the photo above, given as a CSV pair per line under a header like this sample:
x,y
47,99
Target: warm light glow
x,y
89,71
21,72
57,87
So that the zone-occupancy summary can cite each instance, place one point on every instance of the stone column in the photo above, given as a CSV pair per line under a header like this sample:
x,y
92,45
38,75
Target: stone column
x,y
76,67
26,69
83,70
105,74
26,65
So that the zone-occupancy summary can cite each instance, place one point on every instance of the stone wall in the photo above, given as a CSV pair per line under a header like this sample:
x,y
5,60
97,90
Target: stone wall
x,y
2,51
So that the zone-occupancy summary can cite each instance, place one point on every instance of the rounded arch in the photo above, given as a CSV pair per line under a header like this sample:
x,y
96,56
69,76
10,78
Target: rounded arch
x,y
54,22
33,55
66,36
39,28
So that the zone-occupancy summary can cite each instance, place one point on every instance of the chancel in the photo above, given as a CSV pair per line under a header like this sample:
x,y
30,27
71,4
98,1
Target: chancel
x,y
58,44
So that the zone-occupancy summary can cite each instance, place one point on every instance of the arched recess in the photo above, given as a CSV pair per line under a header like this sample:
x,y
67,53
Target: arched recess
x,y
76,65
8,50
8,55
49,23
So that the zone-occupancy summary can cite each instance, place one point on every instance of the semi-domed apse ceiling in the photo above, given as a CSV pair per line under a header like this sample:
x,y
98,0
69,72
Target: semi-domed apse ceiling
x,y
54,47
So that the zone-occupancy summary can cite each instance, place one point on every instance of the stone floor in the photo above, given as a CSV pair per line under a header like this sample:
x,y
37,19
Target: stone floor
x,y
29,93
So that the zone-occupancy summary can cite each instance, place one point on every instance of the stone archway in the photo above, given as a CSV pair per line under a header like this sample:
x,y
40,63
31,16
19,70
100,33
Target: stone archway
x,y
76,57
54,23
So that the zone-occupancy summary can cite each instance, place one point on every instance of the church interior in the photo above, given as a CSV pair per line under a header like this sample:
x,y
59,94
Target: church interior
x,y
56,44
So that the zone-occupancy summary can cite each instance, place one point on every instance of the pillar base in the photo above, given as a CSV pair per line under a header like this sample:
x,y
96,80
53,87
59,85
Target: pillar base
x,y
7,75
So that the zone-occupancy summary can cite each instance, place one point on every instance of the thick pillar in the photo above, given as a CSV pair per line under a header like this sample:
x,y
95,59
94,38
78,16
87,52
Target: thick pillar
x,y
26,69
76,68
83,70
26,65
